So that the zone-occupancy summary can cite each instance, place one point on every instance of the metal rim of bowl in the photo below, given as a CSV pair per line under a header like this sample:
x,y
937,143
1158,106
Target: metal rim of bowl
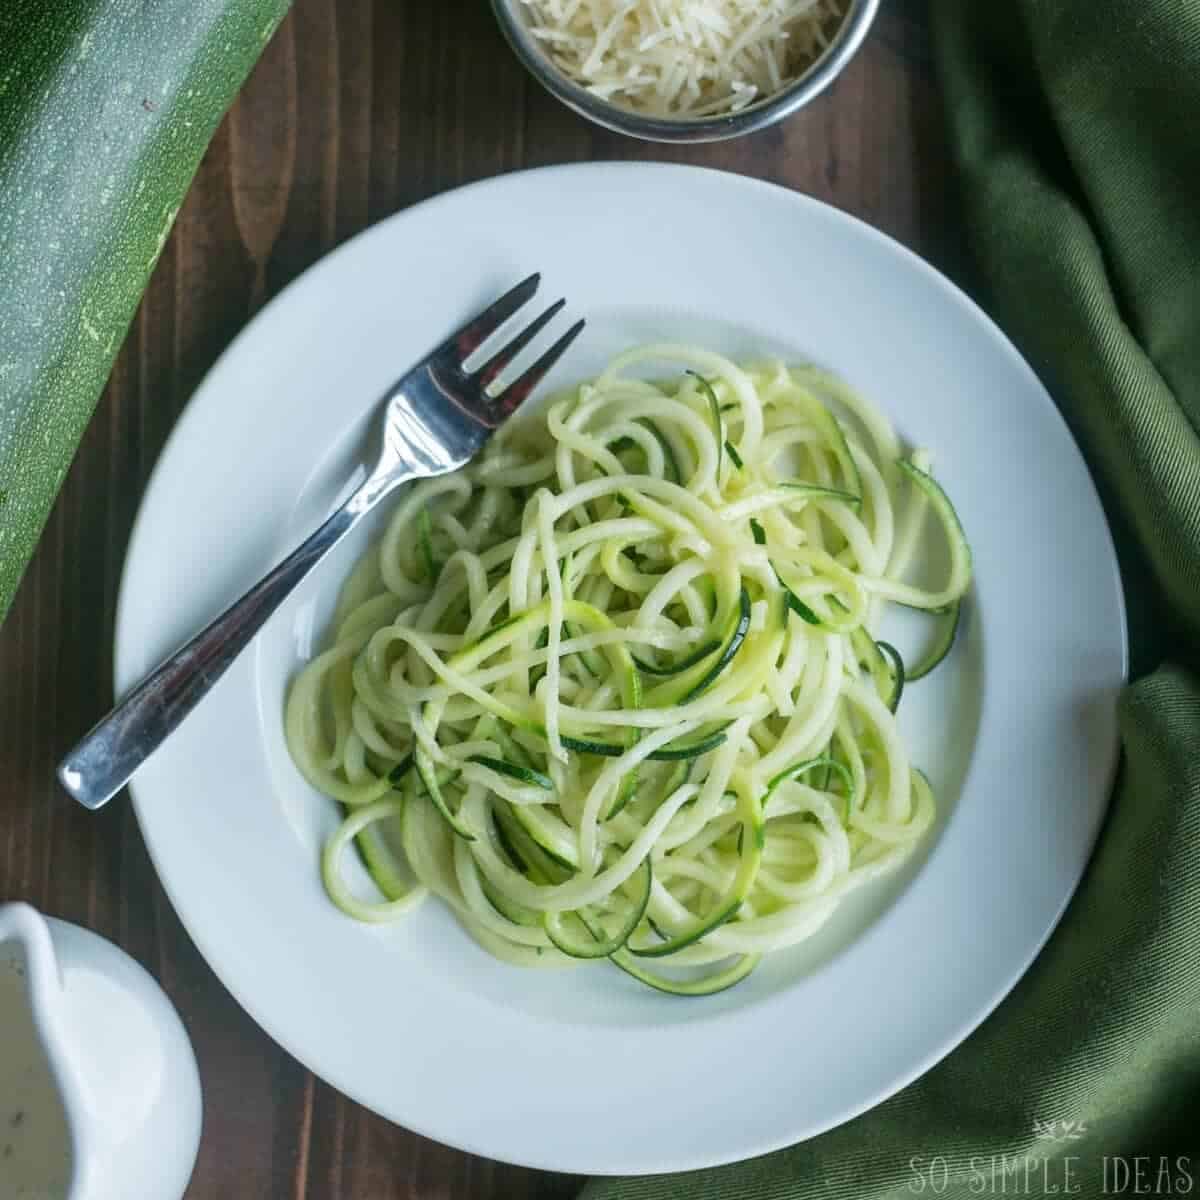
x,y
850,34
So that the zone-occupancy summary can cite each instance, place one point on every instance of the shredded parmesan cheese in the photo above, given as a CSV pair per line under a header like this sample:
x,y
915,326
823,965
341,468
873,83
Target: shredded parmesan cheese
x,y
683,58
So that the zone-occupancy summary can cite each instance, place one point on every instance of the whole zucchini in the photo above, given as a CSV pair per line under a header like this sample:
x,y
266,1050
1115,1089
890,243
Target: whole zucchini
x,y
106,107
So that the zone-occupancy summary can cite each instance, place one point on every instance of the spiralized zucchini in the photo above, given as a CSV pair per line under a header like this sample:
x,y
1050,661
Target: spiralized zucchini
x,y
610,691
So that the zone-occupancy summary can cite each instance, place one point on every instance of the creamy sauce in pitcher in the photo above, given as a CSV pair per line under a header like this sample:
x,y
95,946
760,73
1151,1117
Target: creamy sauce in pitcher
x,y
35,1147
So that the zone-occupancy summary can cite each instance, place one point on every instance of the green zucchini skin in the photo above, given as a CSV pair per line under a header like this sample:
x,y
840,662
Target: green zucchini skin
x,y
106,108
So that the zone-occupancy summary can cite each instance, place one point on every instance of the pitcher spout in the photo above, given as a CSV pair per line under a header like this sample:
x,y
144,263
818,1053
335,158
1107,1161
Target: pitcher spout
x,y
44,1140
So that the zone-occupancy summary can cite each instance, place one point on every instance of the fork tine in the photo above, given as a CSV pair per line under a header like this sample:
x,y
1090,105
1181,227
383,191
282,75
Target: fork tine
x,y
476,331
518,391
486,375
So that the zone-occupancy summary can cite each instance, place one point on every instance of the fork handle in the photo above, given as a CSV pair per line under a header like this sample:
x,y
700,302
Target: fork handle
x,y
107,757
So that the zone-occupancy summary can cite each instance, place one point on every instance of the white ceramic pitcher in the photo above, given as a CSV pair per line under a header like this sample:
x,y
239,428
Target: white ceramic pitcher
x,y
99,1092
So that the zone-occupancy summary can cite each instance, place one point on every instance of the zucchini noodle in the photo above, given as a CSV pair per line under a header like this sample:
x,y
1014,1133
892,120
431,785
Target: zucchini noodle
x,y
610,691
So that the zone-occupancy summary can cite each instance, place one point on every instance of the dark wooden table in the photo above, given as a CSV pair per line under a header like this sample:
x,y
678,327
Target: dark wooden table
x,y
358,108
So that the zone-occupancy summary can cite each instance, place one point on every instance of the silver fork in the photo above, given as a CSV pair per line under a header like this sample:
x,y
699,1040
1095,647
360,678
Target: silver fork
x,y
438,417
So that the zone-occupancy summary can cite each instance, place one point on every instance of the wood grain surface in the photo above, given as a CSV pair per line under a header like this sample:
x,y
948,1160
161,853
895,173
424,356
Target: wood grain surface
x,y
357,109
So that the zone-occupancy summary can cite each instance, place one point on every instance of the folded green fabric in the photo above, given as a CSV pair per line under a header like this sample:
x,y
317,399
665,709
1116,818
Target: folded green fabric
x,y
1076,125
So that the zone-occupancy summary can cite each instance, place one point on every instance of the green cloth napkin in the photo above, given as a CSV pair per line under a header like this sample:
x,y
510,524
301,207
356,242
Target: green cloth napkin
x,y
1076,126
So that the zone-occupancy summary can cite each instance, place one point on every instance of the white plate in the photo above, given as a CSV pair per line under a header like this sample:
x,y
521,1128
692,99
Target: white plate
x,y
586,1071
